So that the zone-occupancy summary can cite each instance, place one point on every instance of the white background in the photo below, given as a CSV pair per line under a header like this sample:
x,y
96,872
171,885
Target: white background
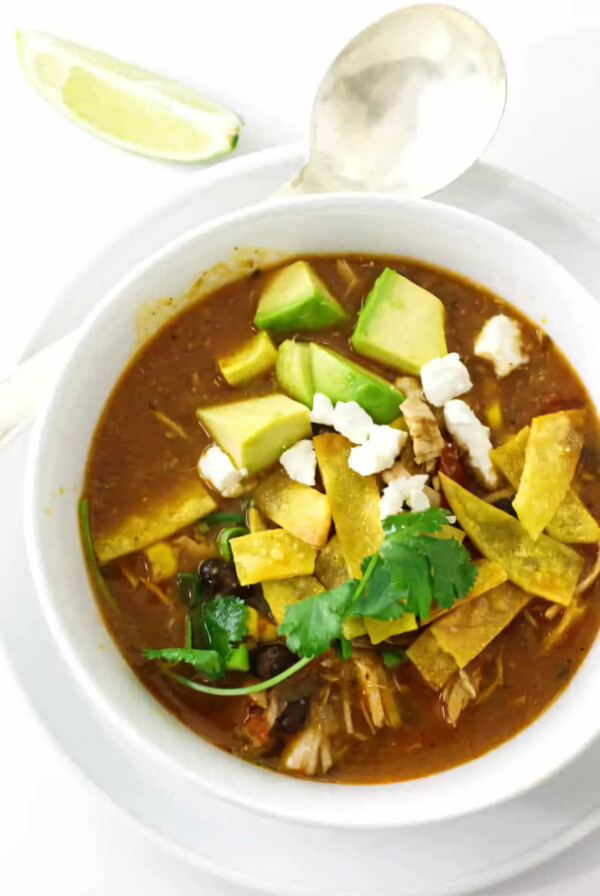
x,y
62,197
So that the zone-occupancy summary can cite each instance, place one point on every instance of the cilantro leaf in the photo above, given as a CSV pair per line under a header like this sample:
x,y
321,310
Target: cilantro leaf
x,y
207,661
224,622
417,522
453,573
230,613
381,598
313,623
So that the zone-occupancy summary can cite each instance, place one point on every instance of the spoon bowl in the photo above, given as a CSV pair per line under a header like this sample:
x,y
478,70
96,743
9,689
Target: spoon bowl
x,y
407,106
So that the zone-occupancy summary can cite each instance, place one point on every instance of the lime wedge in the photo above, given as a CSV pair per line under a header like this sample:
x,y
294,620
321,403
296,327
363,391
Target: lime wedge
x,y
128,106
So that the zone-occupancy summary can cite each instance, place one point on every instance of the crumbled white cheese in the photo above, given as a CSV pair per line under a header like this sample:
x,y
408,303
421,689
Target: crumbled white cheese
x,y
500,342
444,378
404,490
473,437
300,462
379,451
351,421
322,410
216,466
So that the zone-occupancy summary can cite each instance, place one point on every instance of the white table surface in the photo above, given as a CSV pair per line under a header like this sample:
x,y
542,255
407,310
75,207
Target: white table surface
x,y
62,193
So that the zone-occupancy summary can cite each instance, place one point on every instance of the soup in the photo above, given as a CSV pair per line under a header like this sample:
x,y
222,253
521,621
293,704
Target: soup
x,y
340,519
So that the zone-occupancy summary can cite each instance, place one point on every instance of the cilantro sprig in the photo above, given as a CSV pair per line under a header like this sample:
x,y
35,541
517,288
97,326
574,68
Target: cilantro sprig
x,y
213,630
408,573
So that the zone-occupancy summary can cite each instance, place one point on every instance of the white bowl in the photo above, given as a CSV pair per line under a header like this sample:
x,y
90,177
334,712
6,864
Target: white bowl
x,y
430,232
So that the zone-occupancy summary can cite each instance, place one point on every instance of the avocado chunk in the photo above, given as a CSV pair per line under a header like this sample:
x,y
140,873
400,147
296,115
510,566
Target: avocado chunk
x,y
294,370
296,298
400,324
341,379
255,432
254,358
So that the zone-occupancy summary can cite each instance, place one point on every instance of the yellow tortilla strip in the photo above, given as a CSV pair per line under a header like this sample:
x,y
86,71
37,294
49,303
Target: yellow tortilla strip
x,y
286,592
157,522
467,630
489,575
544,567
256,521
572,522
353,499
551,458
435,665
270,555
300,509
379,629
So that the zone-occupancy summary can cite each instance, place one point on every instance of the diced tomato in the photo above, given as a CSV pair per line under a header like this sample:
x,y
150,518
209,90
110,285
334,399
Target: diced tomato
x,y
451,465
256,728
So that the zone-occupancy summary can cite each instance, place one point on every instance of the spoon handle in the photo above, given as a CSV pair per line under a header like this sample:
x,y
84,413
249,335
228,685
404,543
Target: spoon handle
x,y
26,387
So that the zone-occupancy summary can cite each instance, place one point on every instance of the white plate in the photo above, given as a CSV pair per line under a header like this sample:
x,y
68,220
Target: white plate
x,y
263,853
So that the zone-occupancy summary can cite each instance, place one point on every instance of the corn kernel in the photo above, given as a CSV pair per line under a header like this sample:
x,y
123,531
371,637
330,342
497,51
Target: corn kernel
x,y
161,560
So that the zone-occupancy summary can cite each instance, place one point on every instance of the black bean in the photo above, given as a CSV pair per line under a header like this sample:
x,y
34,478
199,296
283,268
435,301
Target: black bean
x,y
293,717
268,660
220,576
506,504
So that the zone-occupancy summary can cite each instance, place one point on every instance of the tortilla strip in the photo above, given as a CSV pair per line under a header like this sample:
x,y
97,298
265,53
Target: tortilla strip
x,y
469,628
300,509
551,458
544,567
287,592
452,642
435,665
156,523
271,555
489,575
572,523
353,499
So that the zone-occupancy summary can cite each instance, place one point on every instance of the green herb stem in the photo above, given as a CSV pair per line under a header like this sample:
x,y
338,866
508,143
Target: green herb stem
x,y
240,692
364,579
213,518
90,553
225,537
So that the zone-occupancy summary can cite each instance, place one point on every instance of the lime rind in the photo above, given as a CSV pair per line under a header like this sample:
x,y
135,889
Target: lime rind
x,y
128,106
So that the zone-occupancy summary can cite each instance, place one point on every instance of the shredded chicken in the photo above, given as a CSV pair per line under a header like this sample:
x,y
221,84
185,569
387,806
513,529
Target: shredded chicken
x,y
458,693
496,683
571,614
347,274
173,428
410,387
379,701
552,611
398,471
424,430
158,591
591,577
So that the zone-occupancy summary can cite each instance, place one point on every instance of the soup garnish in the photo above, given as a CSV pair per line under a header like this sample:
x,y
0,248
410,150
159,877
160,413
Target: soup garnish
x,y
341,515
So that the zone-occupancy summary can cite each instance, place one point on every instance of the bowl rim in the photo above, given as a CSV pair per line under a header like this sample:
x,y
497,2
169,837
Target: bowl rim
x,y
338,817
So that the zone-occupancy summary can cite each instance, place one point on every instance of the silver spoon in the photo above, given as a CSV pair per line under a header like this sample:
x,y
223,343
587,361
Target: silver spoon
x,y
406,107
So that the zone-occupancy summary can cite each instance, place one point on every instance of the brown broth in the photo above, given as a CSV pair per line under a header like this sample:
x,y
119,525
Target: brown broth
x,y
134,459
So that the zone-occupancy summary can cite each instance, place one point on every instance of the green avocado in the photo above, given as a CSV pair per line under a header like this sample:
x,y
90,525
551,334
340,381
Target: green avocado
x,y
255,432
341,379
296,298
294,370
400,324
255,357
